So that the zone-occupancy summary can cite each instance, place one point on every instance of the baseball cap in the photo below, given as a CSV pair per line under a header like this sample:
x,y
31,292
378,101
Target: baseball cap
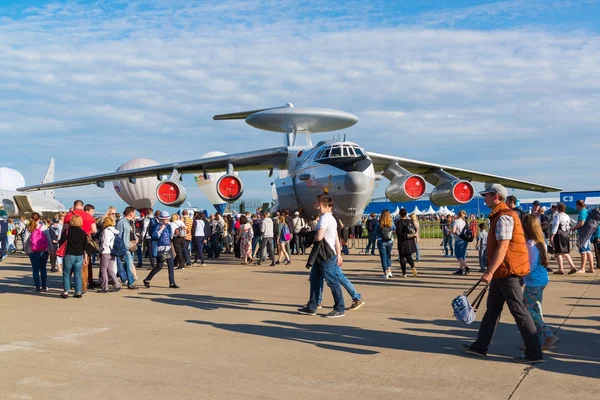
x,y
54,221
536,203
296,213
164,215
495,188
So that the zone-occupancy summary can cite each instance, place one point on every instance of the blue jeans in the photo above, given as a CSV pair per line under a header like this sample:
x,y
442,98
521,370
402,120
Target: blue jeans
x,y
483,257
128,258
256,241
447,242
74,264
140,255
385,253
371,243
460,249
121,273
38,264
328,270
418,252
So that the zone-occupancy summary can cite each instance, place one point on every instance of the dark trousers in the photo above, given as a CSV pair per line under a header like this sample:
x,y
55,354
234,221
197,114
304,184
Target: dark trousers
x,y
149,250
199,248
329,271
178,243
507,290
406,259
186,252
159,266
597,251
140,255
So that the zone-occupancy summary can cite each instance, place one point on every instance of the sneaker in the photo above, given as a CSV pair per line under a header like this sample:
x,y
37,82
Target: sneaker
x,y
78,295
467,270
467,349
44,288
306,311
404,276
458,272
203,265
3,257
320,305
414,272
526,360
37,289
173,286
356,304
389,273
132,287
385,276
334,314
146,283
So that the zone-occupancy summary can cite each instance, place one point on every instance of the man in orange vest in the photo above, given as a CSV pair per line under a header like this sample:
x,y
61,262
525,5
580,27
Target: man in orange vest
x,y
508,261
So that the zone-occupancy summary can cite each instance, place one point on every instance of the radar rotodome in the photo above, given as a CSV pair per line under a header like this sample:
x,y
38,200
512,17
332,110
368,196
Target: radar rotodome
x,y
10,179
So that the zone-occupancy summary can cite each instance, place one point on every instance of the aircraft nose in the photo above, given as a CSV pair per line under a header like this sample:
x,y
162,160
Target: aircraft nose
x,y
355,181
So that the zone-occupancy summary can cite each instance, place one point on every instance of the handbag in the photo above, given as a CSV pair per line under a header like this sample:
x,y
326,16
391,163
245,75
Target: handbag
x,y
463,310
62,250
164,256
91,246
132,245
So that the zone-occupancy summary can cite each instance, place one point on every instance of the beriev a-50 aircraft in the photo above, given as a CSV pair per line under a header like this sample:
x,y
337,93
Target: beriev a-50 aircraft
x,y
339,168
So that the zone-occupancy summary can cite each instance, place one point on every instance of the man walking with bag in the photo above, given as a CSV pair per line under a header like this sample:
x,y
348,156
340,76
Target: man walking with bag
x,y
508,260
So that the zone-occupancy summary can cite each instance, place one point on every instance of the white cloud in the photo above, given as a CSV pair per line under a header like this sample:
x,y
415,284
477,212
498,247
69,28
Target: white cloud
x,y
144,80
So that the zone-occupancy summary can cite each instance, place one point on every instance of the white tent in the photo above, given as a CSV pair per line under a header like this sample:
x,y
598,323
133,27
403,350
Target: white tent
x,y
416,211
430,211
442,211
395,213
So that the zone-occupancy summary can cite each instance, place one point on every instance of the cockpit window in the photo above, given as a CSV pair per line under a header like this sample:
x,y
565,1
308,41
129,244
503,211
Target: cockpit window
x,y
358,152
339,151
336,152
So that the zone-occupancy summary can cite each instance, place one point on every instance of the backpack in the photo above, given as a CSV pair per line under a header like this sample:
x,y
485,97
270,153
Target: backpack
x,y
386,233
466,234
408,230
181,231
371,224
38,240
285,233
118,249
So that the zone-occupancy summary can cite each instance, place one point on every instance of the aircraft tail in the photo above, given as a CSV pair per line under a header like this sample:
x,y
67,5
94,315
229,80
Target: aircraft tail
x,y
49,177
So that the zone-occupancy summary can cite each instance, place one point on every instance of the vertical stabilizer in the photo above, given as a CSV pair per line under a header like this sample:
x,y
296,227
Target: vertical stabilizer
x,y
49,177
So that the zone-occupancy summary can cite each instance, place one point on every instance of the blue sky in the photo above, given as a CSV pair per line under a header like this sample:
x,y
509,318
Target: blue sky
x,y
510,88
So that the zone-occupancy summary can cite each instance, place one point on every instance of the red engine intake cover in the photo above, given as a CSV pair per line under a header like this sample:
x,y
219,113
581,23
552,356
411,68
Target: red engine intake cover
x,y
230,188
167,192
463,192
415,186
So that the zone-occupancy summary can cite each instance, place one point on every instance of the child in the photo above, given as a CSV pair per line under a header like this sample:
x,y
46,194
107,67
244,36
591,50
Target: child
x,y
481,244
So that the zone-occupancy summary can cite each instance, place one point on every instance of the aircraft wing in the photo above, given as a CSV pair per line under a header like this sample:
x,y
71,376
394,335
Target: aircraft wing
x,y
382,161
248,161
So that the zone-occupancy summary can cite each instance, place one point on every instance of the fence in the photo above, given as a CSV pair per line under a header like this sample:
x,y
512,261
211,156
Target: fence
x,y
431,238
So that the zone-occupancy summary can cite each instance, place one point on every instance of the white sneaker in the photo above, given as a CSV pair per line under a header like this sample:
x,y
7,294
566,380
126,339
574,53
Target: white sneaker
x,y
404,275
203,265
389,272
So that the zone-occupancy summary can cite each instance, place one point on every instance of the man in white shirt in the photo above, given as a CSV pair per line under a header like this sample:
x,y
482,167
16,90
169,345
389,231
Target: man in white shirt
x,y
267,242
326,232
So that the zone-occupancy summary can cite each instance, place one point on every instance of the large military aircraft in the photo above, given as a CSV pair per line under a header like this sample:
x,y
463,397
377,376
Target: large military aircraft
x,y
339,168
20,204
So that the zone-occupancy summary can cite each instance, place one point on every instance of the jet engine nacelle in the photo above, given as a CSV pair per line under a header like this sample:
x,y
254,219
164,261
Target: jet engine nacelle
x,y
171,193
230,188
406,188
452,193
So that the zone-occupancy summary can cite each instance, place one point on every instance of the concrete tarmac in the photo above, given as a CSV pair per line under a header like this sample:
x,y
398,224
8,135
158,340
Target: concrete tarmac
x,y
232,332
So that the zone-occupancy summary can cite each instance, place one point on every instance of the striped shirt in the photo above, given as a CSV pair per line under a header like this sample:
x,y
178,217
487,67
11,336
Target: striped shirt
x,y
188,225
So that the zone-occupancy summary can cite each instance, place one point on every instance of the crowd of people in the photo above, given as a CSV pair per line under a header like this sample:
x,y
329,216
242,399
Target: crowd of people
x,y
513,251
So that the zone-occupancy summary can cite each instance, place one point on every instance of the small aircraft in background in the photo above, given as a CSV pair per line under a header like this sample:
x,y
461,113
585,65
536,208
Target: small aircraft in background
x,y
341,169
18,204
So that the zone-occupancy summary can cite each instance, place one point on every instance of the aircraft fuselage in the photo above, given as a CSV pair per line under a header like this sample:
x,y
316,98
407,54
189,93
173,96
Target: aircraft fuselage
x,y
340,169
